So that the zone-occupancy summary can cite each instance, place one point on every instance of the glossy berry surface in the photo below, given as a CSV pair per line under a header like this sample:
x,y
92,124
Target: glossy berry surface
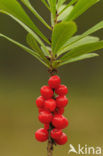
x,y
51,109
61,90
45,117
41,135
50,104
54,81
40,102
59,122
41,110
56,133
46,92
61,101
60,110
62,139
46,126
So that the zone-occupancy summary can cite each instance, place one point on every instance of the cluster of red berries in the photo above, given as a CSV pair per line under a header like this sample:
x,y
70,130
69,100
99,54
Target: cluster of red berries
x,y
51,109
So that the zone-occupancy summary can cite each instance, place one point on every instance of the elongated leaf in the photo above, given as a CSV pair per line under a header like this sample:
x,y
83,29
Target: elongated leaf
x,y
60,2
80,8
83,41
88,48
12,7
95,28
88,32
37,56
45,53
67,6
65,13
28,4
27,29
45,3
61,33
20,45
48,2
56,63
61,8
53,7
79,58
33,44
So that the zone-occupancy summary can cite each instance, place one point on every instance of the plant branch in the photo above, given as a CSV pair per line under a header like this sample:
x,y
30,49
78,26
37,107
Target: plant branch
x,y
50,144
52,71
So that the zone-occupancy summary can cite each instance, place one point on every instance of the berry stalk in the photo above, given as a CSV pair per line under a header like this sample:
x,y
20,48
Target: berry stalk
x,y
50,143
50,140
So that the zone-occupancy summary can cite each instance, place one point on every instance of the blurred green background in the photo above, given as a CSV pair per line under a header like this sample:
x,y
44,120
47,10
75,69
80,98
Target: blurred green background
x,y
21,77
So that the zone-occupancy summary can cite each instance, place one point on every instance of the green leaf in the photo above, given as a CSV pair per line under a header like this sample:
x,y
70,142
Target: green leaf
x,y
78,38
33,44
52,4
48,2
65,13
83,41
37,56
95,28
20,45
45,3
61,33
61,8
45,53
59,4
79,58
56,63
87,48
67,6
30,7
14,9
80,8
27,29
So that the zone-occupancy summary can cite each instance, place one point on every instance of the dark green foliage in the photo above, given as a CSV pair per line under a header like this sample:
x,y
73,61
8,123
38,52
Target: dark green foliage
x,y
64,47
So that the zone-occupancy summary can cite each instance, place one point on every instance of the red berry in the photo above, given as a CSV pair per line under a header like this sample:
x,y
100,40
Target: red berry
x,y
61,101
40,102
41,135
41,110
46,126
50,104
54,81
59,121
61,90
46,92
62,139
60,110
45,117
56,133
